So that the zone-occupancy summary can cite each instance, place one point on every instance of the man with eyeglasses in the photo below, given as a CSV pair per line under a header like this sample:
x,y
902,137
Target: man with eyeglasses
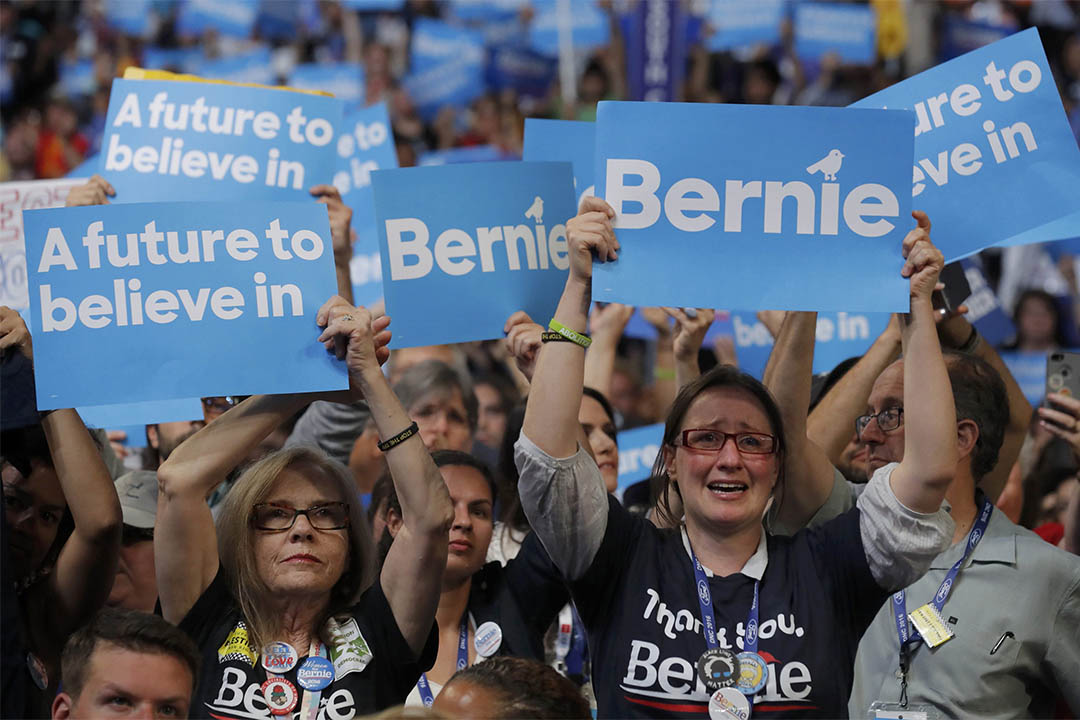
x,y
135,586
991,630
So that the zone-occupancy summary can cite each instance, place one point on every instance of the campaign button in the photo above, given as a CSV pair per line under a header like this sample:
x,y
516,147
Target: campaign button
x,y
279,657
315,673
488,639
38,673
729,704
718,668
280,695
753,673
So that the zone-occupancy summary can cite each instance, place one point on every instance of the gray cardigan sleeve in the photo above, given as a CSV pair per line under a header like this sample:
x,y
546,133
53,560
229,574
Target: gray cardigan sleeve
x,y
332,427
566,502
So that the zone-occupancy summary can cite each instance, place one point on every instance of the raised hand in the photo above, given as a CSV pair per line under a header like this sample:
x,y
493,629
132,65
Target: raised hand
x,y
340,218
95,191
924,262
13,334
350,333
590,235
1063,420
689,331
523,341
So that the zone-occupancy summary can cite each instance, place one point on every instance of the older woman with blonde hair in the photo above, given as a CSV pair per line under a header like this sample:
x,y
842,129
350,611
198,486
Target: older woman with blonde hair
x,y
280,596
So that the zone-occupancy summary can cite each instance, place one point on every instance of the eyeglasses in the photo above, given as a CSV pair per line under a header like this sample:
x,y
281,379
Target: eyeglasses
x,y
219,405
327,516
129,535
887,420
748,443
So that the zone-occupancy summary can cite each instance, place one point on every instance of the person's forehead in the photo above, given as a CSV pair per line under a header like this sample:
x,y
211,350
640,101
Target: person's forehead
x,y
444,397
725,405
138,673
465,483
303,483
592,411
42,486
889,386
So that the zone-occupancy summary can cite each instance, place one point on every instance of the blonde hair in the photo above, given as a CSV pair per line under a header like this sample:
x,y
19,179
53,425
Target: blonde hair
x,y
236,538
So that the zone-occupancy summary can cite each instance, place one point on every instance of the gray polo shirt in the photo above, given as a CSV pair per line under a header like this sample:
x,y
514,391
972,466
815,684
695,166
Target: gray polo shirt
x,y
1014,581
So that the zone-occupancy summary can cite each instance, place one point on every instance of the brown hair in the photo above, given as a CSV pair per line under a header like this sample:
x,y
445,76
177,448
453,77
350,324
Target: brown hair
x,y
236,537
526,688
128,630
719,376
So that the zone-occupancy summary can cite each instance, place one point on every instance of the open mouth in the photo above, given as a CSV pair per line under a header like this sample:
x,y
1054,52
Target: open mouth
x,y
727,489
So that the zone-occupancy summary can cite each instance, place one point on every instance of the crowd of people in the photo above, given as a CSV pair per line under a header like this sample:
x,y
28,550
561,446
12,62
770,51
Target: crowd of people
x,y
449,538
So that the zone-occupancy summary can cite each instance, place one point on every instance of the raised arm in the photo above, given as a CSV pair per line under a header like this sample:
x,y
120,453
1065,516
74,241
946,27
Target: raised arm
x,y
185,551
957,333
412,573
1062,419
930,453
690,333
84,571
561,489
831,425
606,325
341,234
788,376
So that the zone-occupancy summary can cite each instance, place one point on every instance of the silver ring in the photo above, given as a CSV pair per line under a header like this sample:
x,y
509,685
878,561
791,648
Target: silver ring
x,y
347,318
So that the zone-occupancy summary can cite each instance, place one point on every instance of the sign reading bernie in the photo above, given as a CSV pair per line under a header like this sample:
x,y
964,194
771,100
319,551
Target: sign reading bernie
x,y
206,141
790,208
465,246
994,155
153,301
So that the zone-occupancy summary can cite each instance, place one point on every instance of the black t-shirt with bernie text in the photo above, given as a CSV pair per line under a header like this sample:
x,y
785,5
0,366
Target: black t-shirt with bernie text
x,y
640,606
374,666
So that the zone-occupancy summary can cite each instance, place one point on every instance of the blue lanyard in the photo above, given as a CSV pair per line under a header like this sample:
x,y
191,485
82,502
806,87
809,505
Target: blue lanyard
x,y
462,662
899,599
750,635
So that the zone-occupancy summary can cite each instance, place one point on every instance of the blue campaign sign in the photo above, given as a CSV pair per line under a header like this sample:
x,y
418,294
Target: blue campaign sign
x,y
788,208
375,5
485,11
435,43
528,72
471,154
345,81
984,308
842,28
254,67
568,140
131,17
455,83
1029,371
77,78
115,417
962,35
990,129
456,262
740,24
235,18
839,336
205,292
365,144
588,26
183,60
637,453
206,141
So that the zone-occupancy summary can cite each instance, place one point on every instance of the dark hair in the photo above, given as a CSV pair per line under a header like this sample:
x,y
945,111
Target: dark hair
x,y
128,630
719,376
443,458
504,388
599,397
22,445
435,376
526,688
819,389
511,512
979,395
1051,303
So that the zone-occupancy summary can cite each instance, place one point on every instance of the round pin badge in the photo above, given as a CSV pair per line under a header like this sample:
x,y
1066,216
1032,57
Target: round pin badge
x,y
38,673
753,673
280,695
279,657
728,704
487,640
316,673
718,668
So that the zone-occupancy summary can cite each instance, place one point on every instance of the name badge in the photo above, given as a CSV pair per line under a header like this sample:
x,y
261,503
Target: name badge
x,y
928,621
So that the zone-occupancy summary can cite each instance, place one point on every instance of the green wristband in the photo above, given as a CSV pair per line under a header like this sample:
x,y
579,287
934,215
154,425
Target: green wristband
x,y
572,335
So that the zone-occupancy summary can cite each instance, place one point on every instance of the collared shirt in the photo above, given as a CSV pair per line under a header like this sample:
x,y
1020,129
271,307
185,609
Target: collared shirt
x,y
1014,582
755,565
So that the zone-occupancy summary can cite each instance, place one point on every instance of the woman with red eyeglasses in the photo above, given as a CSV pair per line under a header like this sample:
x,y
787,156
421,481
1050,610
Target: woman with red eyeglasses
x,y
713,615
281,596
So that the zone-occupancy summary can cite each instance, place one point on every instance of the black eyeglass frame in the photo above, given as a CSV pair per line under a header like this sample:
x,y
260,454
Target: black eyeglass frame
x,y
864,420
306,512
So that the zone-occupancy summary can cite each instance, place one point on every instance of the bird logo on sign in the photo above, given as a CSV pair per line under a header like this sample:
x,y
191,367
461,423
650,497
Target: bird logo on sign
x,y
536,210
829,165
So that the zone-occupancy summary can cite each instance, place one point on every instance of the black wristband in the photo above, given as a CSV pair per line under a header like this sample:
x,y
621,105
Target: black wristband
x,y
547,336
972,341
401,437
